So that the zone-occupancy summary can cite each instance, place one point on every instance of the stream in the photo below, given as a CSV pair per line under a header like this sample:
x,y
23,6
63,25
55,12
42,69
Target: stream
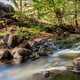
x,y
53,61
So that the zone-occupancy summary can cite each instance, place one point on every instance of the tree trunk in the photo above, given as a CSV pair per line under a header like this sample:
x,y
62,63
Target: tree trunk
x,y
76,12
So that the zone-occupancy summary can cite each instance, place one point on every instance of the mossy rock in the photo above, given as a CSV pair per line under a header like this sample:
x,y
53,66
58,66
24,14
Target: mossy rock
x,y
69,55
64,76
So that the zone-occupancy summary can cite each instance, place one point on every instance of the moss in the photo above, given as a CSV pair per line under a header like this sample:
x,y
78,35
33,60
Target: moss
x,y
67,42
70,56
65,76
29,33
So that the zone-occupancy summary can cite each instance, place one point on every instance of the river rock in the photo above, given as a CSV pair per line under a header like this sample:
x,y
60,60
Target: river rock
x,y
25,44
10,40
69,55
20,55
48,75
76,62
13,41
6,10
44,47
5,56
34,56
2,44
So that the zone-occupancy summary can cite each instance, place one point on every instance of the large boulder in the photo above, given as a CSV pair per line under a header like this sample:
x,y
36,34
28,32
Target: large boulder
x,y
25,44
44,47
5,56
6,10
20,55
10,40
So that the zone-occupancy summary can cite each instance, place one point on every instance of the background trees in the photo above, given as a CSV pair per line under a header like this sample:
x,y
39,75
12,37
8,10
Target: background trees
x,y
62,10
50,11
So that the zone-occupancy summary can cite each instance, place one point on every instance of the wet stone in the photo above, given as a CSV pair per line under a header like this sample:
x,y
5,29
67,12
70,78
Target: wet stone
x,y
20,55
6,56
44,47
77,64
10,40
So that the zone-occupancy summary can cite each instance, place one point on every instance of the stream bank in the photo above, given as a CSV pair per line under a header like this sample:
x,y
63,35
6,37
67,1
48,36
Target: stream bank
x,y
61,47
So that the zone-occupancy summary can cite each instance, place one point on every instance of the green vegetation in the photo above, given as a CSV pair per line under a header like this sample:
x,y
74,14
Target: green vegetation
x,y
66,76
49,11
46,13
36,16
70,56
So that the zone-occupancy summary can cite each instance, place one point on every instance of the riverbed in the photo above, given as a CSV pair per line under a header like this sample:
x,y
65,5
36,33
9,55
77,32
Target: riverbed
x,y
51,62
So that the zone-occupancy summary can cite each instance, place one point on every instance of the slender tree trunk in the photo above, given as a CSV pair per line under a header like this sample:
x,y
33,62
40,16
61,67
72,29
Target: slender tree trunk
x,y
76,12
21,6
76,16
21,12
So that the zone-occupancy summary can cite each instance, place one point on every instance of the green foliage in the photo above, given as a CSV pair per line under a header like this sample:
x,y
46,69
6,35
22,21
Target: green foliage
x,y
67,42
50,9
65,76
28,33
2,22
53,11
58,11
2,33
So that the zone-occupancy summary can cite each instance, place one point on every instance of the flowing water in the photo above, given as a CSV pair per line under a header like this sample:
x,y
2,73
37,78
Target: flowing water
x,y
23,72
